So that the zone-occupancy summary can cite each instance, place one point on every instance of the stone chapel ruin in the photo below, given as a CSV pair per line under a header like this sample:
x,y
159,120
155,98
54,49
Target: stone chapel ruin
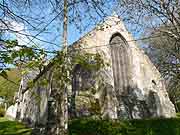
x,y
133,87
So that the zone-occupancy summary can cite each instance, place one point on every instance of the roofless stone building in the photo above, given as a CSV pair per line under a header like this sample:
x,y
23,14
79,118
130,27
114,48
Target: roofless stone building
x,y
132,86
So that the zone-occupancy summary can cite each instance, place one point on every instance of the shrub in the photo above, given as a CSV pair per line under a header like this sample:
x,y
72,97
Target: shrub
x,y
178,115
90,126
2,112
178,106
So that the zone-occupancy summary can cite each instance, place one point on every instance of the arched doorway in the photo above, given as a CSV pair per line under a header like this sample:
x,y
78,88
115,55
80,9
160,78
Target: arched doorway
x,y
120,63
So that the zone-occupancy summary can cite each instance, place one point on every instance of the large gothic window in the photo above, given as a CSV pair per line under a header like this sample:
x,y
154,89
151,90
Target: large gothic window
x,y
120,63
82,81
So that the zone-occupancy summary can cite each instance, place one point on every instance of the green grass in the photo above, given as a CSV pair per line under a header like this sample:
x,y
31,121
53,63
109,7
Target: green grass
x,y
8,127
87,126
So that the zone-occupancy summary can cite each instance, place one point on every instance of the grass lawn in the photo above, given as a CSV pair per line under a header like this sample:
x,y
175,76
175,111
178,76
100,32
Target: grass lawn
x,y
8,127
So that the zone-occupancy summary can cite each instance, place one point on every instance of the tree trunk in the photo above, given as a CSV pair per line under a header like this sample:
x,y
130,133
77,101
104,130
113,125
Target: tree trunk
x,y
62,128
65,43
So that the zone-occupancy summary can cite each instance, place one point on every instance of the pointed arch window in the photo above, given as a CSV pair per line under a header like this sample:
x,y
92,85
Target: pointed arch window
x,y
120,62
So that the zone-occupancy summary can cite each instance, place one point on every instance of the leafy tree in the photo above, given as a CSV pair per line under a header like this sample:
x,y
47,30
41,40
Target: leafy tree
x,y
9,86
73,13
164,51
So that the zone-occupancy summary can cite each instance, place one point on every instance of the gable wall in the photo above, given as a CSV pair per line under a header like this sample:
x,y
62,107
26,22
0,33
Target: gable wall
x,y
144,99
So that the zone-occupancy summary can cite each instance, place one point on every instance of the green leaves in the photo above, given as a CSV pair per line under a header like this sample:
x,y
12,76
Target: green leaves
x,y
11,43
64,65
9,84
12,54
88,61
3,73
92,126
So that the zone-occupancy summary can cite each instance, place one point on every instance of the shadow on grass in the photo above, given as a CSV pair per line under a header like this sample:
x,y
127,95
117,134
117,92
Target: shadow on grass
x,y
8,127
